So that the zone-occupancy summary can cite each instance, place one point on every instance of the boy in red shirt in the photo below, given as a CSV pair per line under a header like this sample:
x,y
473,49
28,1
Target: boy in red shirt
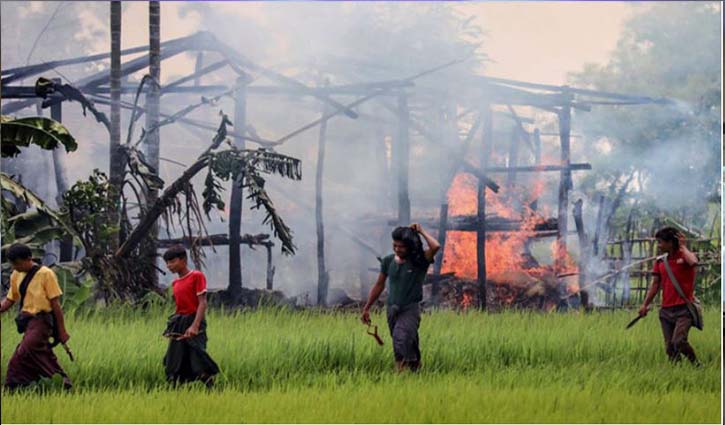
x,y
675,318
186,358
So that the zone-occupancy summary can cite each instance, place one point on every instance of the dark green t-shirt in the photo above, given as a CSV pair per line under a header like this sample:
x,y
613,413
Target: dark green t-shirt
x,y
405,281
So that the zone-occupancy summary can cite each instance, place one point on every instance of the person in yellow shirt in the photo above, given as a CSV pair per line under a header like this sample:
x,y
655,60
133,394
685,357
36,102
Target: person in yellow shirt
x,y
36,290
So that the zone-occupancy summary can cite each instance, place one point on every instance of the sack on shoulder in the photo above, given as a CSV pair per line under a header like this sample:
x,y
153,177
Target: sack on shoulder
x,y
695,308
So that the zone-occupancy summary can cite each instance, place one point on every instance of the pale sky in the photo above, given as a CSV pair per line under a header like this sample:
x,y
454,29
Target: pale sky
x,y
530,41
541,42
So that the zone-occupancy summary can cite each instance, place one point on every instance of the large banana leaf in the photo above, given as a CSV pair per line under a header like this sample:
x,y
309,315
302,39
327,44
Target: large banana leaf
x,y
33,200
42,236
41,131
33,228
77,289
29,222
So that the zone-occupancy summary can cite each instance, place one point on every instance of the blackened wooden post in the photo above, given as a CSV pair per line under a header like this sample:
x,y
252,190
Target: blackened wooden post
x,y
564,187
442,228
402,160
537,160
235,204
322,275
598,228
485,152
270,268
61,180
584,250
449,126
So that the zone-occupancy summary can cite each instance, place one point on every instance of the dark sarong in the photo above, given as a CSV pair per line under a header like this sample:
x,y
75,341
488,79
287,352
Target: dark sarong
x,y
33,358
187,360
403,323
676,322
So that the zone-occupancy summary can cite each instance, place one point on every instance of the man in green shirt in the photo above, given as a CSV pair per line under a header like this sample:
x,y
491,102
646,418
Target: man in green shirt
x,y
405,269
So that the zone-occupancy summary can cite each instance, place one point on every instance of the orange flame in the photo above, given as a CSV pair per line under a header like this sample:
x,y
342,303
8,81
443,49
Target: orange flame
x,y
504,250
567,263
466,301
462,195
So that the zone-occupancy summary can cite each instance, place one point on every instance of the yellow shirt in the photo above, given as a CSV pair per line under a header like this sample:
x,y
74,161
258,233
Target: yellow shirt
x,y
43,288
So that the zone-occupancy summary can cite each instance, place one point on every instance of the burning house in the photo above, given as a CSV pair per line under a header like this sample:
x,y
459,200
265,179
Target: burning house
x,y
502,246
491,215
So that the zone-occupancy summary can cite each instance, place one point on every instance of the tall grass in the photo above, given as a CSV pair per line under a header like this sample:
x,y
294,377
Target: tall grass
x,y
279,365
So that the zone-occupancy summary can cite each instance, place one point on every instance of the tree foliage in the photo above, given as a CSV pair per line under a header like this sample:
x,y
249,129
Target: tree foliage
x,y
670,50
251,164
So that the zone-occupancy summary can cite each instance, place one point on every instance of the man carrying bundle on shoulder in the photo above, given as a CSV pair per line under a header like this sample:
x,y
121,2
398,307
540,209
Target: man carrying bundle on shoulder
x,y
405,269
675,274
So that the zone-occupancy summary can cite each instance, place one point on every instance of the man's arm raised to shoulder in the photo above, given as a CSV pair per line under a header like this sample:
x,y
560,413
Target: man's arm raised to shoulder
x,y
689,256
433,245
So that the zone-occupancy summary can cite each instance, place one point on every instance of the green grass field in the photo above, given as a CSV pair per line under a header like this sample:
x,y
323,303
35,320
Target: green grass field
x,y
281,366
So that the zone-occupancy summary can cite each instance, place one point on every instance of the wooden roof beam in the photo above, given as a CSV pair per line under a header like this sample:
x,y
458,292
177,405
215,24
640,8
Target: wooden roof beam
x,y
31,70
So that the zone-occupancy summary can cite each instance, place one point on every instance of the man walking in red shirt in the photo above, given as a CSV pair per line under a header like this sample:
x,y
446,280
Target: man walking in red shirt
x,y
675,317
186,358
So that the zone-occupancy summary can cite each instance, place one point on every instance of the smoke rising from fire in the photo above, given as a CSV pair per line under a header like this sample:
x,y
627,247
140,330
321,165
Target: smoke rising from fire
x,y
354,43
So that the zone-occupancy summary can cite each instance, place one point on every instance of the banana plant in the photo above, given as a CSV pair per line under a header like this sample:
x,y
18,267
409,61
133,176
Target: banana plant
x,y
23,132
43,218
36,228
40,224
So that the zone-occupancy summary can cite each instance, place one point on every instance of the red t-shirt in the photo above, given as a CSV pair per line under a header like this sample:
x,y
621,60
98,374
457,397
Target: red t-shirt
x,y
685,275
187,290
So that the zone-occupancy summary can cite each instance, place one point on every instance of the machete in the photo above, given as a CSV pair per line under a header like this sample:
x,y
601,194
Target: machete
x,y
633,322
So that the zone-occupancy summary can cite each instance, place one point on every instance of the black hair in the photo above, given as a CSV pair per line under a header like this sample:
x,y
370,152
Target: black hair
x,y
412,241
669,234
176,251
18,251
